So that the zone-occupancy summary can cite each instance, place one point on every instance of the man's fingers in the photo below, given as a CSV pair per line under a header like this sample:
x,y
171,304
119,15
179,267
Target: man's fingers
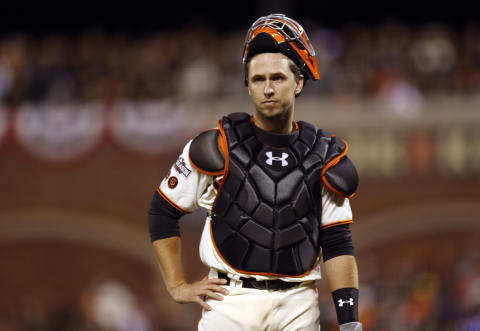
x,y
202,303
213,295
219,281
213,284
219,289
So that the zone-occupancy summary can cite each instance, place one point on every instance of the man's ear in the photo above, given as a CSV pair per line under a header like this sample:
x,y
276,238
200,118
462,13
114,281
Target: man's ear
x,y
248,88
300,83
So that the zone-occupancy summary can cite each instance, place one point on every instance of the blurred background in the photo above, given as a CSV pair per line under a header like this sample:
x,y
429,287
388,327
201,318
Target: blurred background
x,y
97,101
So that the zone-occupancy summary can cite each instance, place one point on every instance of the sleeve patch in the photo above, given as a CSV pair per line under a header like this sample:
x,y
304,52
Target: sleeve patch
x,y
172,182
181,167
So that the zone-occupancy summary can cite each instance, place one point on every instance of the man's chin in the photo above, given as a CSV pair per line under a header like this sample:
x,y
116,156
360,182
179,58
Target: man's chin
x,y
271,112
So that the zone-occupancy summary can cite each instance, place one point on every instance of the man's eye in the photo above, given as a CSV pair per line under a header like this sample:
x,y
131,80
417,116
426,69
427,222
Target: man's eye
x,y
258,79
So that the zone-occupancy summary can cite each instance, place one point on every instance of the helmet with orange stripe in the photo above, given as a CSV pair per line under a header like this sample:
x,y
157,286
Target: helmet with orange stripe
x,y
278,33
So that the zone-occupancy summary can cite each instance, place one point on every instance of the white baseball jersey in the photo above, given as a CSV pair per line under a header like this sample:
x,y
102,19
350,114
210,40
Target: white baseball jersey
x,y
186,189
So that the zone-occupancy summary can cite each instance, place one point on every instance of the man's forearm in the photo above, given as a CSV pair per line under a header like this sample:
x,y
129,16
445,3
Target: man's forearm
x,y
342,277
169,257
168,253
341,272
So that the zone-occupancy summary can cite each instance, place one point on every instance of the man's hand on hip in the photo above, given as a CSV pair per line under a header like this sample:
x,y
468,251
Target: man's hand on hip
x,y
199,291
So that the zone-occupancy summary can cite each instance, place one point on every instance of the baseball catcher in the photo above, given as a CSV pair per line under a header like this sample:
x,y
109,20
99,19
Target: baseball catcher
x,y
276,191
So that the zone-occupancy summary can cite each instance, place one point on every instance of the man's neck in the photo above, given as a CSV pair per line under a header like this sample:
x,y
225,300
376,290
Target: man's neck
x,y
277,124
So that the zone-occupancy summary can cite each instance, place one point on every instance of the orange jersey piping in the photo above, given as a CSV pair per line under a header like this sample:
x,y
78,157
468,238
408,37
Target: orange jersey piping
x,y
177,207
224,147
331,225
331,164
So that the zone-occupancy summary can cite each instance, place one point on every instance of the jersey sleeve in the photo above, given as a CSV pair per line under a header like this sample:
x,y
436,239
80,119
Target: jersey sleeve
x,y
335,209
184,185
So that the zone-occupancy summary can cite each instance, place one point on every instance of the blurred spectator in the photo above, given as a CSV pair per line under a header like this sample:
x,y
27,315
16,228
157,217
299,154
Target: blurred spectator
x,y
395,94
53,78
6,75
434,56
13,64
113,307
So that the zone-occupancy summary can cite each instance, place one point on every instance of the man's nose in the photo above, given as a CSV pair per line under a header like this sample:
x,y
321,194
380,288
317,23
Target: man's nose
x,y
268,91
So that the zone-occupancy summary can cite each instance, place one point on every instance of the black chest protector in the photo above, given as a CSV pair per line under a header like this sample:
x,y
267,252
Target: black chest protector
x,y
267,215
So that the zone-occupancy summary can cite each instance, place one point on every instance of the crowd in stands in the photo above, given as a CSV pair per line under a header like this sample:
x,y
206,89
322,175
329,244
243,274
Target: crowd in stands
x,y
200,62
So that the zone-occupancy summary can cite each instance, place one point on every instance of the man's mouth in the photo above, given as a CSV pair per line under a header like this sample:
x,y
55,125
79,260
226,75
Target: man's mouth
x,y
269,102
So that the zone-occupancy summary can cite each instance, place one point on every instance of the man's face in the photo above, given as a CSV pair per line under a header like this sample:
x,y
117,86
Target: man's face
x,y
272,84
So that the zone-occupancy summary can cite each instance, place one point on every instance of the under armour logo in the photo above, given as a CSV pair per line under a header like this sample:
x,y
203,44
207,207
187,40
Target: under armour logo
x,y
341,302
272,158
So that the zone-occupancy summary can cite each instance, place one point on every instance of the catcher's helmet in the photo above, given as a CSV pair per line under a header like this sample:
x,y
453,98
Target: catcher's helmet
x,y
278,33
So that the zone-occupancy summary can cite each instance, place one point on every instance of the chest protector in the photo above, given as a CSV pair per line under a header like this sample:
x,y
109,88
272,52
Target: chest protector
x,y
267,215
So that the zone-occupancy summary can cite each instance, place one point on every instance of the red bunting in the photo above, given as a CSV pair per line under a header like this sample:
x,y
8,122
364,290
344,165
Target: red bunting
x,y
59,132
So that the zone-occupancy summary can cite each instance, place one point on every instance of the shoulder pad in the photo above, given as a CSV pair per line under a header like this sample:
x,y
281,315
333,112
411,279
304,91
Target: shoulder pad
x,y
342,178
205,153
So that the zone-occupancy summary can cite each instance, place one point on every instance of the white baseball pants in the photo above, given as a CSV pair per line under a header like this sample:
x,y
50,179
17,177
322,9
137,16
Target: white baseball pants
x,y
246,309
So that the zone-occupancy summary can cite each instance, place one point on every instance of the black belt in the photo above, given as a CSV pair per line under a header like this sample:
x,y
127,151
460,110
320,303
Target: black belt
x,y
274,285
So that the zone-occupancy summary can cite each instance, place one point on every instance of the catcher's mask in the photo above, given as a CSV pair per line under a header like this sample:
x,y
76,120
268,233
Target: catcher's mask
x,y
277,33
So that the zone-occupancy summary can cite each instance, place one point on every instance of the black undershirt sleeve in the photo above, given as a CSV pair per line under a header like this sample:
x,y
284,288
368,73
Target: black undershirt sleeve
x,y
336,241
163,219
